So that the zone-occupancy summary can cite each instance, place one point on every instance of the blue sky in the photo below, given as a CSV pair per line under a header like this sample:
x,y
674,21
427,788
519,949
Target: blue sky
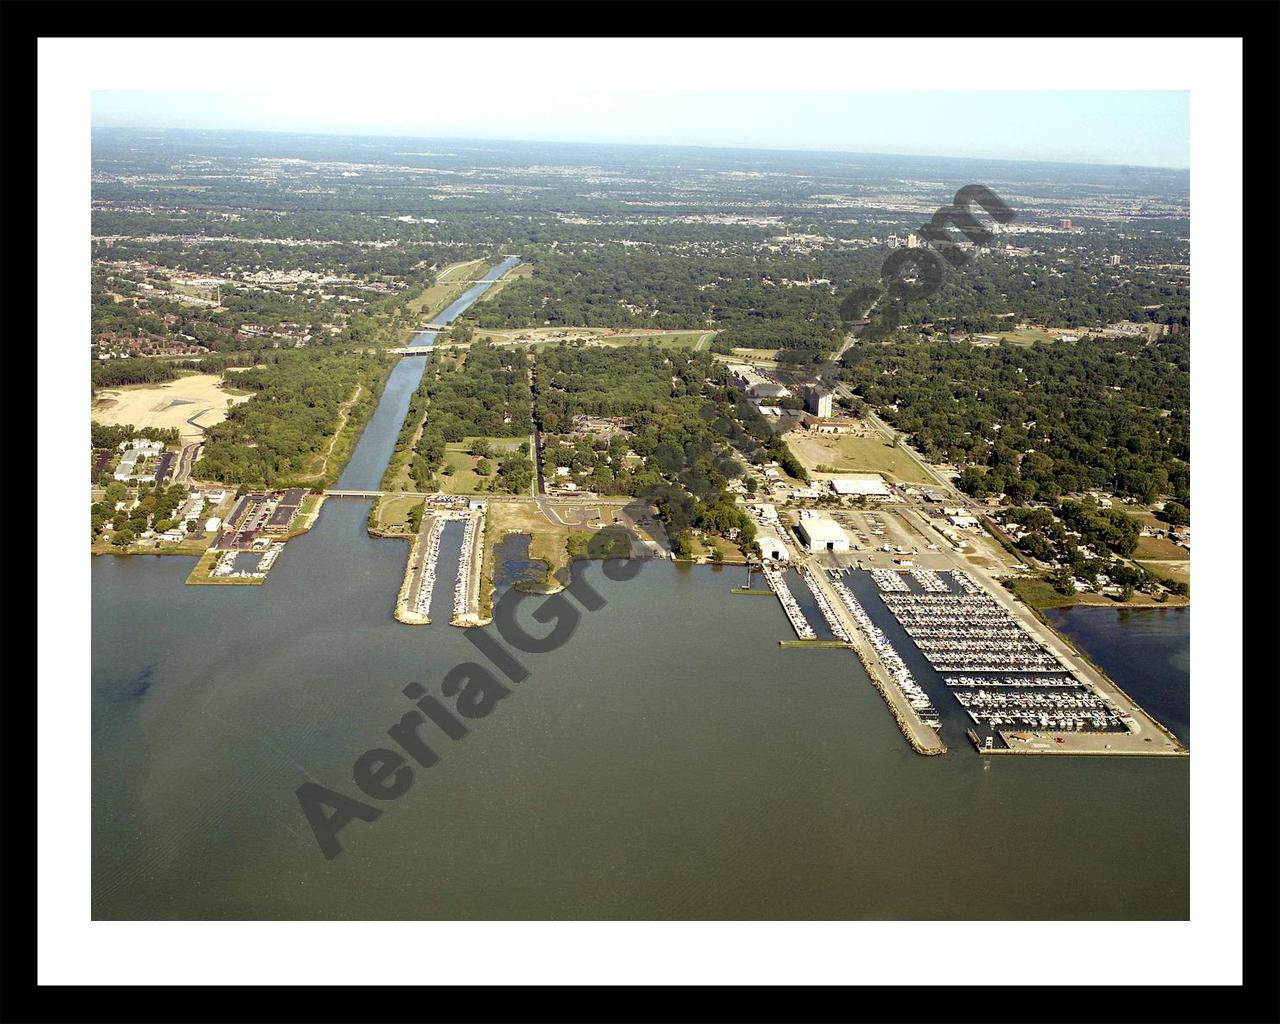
x,y
1135,128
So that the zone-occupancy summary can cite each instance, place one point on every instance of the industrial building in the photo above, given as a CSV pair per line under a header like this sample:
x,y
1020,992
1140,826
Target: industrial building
x,y
767,390
771,545
817,400
819,533
870,485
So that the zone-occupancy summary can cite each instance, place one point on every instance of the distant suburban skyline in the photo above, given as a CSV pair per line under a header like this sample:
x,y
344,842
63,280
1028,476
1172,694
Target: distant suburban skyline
x,y
1145,129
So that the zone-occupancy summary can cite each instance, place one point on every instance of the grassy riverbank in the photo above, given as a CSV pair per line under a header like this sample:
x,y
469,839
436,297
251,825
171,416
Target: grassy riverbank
x,y
1037,593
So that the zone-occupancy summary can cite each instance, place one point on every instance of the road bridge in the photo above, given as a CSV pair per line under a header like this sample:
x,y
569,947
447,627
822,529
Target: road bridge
x,y
372,494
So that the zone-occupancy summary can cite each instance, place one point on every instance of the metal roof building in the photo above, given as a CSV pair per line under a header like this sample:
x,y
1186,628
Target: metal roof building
x,y
771,545
870,484
822,534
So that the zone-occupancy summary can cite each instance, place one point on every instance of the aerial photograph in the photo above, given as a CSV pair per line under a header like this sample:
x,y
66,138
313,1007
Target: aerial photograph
x,y
491,520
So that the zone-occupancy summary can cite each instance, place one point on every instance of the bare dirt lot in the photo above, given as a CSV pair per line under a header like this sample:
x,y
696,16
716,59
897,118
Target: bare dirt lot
x,y
189,403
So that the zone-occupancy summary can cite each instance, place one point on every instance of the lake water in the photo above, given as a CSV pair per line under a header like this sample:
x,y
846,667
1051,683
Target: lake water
x,y
669,761
1146,650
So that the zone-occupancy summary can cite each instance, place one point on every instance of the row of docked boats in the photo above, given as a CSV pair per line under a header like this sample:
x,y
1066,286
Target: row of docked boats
x,y
462,586
889,658
430,558
971,682
998,672
1065,720
778,584
225,568
969,633
890,582
824,605
930,582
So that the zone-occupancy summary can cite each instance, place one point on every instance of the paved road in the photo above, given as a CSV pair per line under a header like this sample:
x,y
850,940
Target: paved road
x,y
537,462
186,462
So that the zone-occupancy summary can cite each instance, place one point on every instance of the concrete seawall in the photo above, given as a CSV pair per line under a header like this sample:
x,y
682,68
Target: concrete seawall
x,y
923,738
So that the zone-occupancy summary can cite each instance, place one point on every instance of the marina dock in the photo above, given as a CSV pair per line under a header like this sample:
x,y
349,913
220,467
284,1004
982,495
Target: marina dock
x,y
883,668
413,603
1022,691
778,584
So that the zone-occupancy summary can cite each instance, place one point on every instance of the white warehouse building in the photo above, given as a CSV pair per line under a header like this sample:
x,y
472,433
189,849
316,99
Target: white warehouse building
x,y
771,545
869,485
822,534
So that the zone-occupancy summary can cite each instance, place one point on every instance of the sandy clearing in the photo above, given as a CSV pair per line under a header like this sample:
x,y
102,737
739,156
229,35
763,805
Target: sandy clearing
x,y
197,398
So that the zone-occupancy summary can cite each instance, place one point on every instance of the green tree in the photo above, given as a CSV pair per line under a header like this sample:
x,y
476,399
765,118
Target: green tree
x,y
682,544
1062,582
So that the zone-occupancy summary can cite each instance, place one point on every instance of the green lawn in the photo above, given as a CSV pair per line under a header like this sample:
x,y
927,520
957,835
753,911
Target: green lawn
x,y
1170,571
1160,549
847,453
1031,335
1038,593
393,512
464,479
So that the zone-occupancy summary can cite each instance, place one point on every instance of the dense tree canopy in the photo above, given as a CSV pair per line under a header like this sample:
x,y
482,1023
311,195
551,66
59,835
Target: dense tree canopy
x,y
1044,420
275,437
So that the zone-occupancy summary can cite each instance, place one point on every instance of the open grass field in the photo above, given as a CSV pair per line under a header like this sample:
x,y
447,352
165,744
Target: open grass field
x,y
848,453
1031,335
1039,594
1160,549
729,553
462,477
199,398
765,358
1173,570
393,513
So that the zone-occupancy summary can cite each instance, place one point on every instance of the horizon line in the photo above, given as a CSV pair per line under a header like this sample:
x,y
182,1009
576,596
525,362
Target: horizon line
x,y
650,145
